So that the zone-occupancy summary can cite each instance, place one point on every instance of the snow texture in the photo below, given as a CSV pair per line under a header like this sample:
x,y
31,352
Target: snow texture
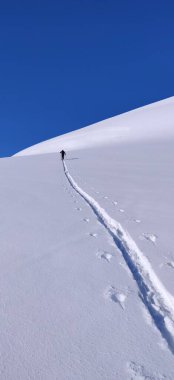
x,y
154,295
87,257
146,123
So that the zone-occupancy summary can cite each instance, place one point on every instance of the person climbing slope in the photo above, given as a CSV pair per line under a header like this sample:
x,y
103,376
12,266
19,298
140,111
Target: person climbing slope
x,y
63,154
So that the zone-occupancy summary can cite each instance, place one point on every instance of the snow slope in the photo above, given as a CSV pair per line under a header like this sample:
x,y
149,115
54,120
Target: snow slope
x,y
156,298
151,122
87,260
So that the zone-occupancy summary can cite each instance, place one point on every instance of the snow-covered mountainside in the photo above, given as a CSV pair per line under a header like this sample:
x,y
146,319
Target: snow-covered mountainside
x,y
155,121
87,259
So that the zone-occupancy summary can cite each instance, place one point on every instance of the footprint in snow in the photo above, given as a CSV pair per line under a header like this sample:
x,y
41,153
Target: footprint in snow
x,y
171,264
151,237
138,372
115,296
115,203
121,210
78,209
136,220
104,255
105,197
93,234
86,220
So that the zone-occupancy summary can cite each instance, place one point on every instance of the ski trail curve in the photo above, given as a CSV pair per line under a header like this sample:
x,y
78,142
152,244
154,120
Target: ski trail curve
x,y
155,297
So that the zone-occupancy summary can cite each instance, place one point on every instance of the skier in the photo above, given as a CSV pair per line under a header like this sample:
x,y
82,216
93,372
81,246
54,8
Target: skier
x,y
62,154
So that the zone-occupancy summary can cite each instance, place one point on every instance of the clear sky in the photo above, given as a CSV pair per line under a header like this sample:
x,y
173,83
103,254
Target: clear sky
x,y
65,64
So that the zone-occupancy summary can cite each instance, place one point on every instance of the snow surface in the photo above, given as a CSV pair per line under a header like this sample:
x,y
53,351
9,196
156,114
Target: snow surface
x,y
87,259
151,122
156,298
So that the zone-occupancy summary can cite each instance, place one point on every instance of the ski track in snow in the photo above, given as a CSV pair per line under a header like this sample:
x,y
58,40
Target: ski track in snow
x,y
153,294
151,238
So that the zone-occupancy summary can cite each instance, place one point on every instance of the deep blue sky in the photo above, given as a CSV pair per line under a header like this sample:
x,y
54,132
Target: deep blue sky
x,y
65,64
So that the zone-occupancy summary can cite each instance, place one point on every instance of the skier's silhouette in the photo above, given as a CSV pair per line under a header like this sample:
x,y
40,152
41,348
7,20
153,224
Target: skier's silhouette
x,y
62,154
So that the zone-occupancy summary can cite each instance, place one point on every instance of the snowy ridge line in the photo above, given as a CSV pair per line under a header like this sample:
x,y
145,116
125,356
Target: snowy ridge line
x,y
154,295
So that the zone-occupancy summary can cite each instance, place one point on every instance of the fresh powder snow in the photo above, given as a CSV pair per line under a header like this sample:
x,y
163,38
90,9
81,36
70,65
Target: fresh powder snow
x,y
87,257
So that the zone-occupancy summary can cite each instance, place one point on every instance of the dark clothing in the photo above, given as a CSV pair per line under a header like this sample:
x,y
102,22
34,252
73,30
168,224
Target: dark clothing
x,y
62,154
